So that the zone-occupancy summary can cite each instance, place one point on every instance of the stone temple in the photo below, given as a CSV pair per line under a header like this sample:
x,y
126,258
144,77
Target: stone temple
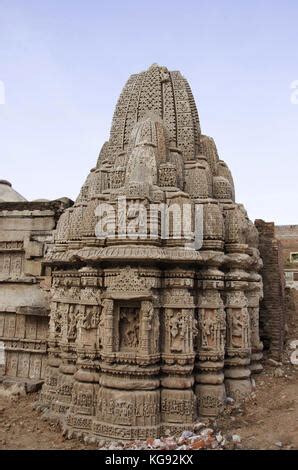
x,y
148,333
26,228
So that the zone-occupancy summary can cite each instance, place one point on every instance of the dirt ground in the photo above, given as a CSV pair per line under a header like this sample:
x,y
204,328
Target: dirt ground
x,y
270,420
267,421
21,427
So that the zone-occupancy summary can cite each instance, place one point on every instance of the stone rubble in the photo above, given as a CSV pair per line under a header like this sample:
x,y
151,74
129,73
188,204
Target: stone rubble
x,y
279,372
274,363
204,437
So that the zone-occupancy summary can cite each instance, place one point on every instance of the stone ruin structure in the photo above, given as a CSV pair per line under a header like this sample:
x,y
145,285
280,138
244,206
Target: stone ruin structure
x,y
25,229
278,247
149,332
273,305
287,235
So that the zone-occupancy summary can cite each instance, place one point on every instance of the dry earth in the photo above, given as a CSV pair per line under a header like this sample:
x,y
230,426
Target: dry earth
x,y
269,420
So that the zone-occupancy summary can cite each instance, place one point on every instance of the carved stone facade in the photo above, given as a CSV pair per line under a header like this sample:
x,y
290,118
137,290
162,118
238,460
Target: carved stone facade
x,y
149,332
25,230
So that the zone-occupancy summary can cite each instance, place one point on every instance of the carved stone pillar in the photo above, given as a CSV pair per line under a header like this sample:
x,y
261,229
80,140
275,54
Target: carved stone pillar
x,y
149,331
178,402
65,381
238,350
254,294
210,349
67,364
80,417
128,398
86,317
49,389
63,330
239,260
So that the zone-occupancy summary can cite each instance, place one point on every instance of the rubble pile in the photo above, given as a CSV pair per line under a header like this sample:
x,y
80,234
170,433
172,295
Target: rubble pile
x,y
202,437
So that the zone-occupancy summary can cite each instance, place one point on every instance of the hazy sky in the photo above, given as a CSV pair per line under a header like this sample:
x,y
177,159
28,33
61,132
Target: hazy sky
x,y
63,64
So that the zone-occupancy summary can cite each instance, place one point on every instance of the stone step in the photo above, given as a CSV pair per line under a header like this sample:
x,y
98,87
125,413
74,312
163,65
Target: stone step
x,y
28,385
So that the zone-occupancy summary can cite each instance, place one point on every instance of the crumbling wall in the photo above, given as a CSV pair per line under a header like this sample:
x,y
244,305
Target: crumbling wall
x,y
272,311
291,313
25,233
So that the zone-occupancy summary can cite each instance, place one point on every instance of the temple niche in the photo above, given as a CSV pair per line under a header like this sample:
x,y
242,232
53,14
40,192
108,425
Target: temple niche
x,y
151,325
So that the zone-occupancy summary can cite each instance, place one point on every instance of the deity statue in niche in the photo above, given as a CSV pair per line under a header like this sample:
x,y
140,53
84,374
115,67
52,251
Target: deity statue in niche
x,y
129,328
207,329
177,331
212,328
239,324
89,317
57,319
72,325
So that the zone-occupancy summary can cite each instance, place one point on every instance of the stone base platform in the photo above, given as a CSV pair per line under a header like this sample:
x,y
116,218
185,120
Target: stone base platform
x,y
19,384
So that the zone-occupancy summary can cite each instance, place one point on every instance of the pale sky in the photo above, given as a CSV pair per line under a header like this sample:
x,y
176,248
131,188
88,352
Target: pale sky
x,y
63,65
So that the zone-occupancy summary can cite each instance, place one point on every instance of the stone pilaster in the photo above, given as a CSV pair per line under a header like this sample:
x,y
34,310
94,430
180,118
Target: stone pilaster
x,y
254,294
210,350
238,345
178,402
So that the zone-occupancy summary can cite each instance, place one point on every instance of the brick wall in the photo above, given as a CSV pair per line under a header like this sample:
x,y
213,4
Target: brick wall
x,y
288,238
272,312
291,314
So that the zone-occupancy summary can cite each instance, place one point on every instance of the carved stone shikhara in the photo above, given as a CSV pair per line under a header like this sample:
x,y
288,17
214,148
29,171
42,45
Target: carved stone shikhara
x,y
148,333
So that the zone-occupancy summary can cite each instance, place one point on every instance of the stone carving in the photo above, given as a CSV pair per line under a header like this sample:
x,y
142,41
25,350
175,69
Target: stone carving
x,y
238,321
89,316
55,320
72,324
129,328
127,279
238,330
212,328
11,264
150,328
147,334
167,175
180,331
177,331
